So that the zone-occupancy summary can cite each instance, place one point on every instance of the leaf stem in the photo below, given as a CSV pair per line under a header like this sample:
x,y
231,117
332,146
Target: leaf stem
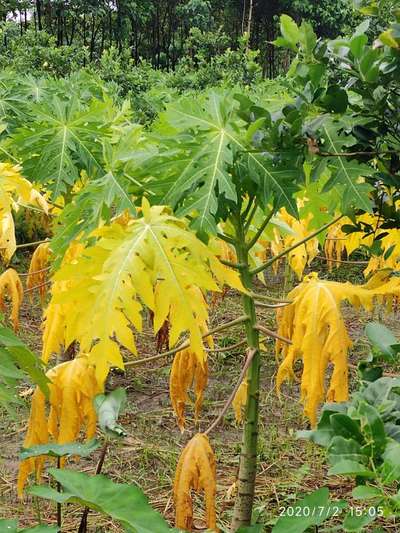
x,y
264,224
250,217
270,333
269,298
250,354
225,238
272,306
186,343
237,266
295,245
28,244
231,346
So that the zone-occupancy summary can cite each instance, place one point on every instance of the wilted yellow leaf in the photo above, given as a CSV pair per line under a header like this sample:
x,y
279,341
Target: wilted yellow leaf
x,y
315,325
195,471
11,285
72,389
187,371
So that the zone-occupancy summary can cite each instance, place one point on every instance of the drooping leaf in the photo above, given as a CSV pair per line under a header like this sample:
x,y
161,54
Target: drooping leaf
x,y
195,471
11,285
36,279
319,336
72,390
187,371
14,189
240,400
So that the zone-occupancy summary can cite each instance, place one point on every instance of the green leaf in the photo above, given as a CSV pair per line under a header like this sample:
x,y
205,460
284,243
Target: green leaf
x,y
381,337
387,39
308,37
372,426
350,468
62,140
40,529
352,522
345,449
11,526
200,141
343,425
357,45
365,492
335,99
125,503
59,450
391,462
17,361
312,510
108,408
324,432
345,172
290,31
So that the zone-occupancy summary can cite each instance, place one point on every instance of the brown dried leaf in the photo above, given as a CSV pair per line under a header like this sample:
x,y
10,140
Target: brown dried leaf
x,y
195,471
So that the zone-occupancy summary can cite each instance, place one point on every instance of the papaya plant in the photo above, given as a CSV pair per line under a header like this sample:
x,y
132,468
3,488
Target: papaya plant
x,y
172,213
217,162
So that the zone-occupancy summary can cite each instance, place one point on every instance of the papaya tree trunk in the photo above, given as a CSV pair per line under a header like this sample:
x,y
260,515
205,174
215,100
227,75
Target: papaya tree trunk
x,y
248,455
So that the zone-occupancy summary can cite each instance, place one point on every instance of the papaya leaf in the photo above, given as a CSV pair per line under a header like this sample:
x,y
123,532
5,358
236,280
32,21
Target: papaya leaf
x,y
345,173
155,260
200,141
62,141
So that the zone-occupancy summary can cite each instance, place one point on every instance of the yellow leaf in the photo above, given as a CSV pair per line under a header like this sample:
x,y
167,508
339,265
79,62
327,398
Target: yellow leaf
x,y
240,400
315,325
195,471
187,371
72,389
11,284
37,433
54,325
13,189
339,244
37,270
156,261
